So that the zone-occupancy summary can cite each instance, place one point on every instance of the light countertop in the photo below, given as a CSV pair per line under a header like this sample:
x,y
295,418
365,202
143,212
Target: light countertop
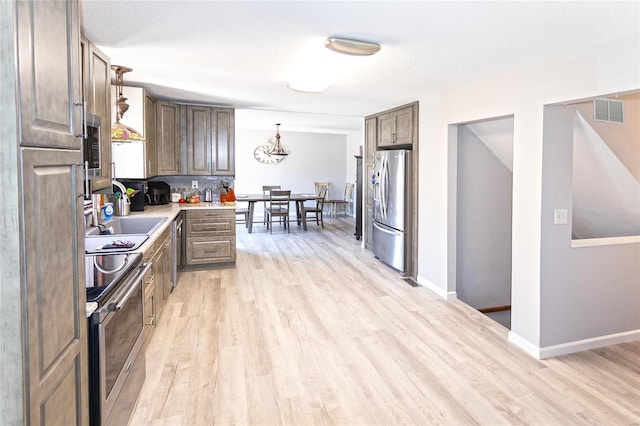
x,y
170,212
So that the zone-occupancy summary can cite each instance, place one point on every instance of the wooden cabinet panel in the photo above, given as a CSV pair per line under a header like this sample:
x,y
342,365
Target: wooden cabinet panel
x,y
158,278
210,250
368,229
57,361
198,140
97,82
370,132
150,125
167,252
168,138
49,74
212,226
223,142
404,126
211,236
397,127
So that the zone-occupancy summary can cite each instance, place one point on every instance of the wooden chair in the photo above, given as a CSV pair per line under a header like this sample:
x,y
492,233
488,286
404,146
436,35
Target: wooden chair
x,y
266,189
345,203
319,185
317,210
279,201
243,212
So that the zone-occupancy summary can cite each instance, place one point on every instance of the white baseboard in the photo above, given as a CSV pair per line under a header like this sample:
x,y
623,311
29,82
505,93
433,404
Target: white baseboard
x,y
572,347
446,295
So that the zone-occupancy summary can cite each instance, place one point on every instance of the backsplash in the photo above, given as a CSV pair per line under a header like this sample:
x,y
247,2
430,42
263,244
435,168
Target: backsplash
x,y
203,182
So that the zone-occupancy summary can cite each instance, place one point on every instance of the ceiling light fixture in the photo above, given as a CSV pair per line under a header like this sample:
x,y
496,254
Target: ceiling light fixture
x,y
277,150
349,46
120,132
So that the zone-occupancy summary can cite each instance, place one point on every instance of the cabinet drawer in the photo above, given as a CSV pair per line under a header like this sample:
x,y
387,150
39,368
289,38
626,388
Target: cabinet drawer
x,y
211,223
211,250
149,305
211,214
211,227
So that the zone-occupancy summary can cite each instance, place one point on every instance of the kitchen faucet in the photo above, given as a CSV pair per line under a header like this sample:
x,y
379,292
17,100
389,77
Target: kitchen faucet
x,y
122,189
94,210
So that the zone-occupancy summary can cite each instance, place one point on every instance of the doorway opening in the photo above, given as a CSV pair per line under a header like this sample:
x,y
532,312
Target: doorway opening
x,y
483,216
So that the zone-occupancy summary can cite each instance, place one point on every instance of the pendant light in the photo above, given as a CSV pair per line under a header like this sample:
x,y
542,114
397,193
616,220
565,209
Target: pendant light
x,y
119,131
277,150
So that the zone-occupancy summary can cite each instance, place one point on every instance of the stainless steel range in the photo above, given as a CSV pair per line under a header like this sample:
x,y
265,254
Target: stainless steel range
x,y
116,338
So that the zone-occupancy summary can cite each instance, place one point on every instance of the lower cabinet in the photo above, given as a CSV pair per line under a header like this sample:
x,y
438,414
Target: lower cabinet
x,y
149,295
158,280
211,236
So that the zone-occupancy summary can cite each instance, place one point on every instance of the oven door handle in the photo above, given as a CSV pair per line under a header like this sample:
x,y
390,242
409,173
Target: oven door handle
x,y
129,292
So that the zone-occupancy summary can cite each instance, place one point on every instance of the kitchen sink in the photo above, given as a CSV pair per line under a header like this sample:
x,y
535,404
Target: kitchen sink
x,y
113,243
123,225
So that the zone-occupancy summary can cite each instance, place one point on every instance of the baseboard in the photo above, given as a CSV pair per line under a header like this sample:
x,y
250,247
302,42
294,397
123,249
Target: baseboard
x,y
446,295
524,344
573,347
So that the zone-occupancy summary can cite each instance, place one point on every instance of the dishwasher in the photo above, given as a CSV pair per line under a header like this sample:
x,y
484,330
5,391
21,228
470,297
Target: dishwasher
x,y
178,247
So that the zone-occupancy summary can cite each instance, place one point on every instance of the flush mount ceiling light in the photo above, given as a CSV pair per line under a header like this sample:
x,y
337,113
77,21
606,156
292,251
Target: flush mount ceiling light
x,y
349,46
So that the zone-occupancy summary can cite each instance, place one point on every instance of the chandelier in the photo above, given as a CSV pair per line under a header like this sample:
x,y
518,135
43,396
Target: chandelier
x,y
277,150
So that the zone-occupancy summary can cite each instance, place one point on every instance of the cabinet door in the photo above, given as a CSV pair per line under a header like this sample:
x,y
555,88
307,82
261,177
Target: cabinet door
x,y
168,279
99,102
370,132
54,289
224,163
49,74
198,140
396,127
404,126
168,138
387,129
158,278
150,136
368,206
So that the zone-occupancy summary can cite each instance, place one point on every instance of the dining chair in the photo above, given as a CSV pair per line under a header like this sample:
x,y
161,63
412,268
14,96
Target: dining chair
x,y
345,203
316,212
319,185
266,189
243,212
279,201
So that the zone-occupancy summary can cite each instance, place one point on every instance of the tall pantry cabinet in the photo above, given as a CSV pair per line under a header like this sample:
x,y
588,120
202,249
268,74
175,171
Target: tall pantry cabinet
x,y
43,356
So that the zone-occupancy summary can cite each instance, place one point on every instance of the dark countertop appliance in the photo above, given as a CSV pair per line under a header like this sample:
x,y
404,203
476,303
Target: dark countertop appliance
x,y
141,198
159,193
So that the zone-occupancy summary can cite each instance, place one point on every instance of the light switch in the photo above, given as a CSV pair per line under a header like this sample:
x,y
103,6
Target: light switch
x,y
561,217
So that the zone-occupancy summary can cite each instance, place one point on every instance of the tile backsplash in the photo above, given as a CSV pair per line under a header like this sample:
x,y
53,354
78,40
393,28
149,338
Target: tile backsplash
x,y
203,182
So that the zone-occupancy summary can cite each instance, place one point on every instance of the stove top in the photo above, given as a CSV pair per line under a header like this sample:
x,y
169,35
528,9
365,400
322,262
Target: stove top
x,y
105,271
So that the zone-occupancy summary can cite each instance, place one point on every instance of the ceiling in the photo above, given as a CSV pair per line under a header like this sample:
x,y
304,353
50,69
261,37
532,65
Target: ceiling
x,y
242,54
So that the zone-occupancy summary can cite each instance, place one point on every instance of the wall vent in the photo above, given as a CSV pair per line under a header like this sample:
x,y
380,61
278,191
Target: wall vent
x,y
609,110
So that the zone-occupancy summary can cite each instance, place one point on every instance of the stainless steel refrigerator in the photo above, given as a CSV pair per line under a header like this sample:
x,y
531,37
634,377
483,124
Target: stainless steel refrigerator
x,y
392,208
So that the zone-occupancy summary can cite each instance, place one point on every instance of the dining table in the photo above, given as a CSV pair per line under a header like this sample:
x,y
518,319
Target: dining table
x,y
299,199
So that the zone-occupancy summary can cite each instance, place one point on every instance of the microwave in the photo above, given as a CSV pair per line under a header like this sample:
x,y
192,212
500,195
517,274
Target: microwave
x,y
91,146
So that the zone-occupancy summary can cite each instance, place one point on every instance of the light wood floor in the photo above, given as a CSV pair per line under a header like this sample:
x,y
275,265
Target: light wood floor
x,y
310,329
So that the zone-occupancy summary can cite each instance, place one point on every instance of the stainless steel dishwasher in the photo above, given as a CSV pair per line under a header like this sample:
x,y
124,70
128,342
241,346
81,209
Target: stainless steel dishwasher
x,y
178,246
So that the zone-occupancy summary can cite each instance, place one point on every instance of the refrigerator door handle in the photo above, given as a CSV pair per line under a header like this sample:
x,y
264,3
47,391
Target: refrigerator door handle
x,y
385,186
385,230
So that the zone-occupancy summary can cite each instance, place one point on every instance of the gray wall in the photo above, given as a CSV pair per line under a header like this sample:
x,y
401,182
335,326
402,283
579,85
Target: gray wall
x,y
483,267
585,292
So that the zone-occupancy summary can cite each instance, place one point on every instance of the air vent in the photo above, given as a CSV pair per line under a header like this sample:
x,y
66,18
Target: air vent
x,y
609,110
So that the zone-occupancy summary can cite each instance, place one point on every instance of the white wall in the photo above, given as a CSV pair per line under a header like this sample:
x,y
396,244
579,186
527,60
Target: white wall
x,y
610,68
313,157
354,142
